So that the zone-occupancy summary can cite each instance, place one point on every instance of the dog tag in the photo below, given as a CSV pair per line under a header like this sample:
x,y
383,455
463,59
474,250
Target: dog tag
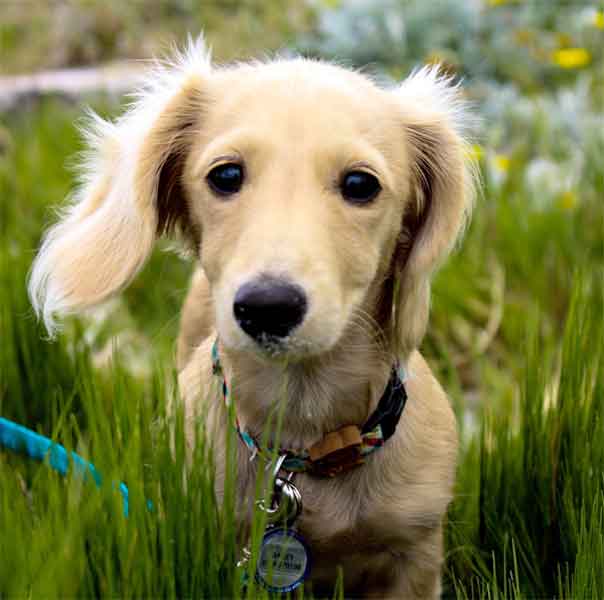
x,y
284,561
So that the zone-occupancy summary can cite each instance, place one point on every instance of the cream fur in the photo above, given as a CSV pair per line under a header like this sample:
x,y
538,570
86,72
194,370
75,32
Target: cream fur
x,y
106,234
296,125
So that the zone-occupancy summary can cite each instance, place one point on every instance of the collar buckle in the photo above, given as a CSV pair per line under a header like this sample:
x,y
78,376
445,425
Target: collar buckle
x,y
338,451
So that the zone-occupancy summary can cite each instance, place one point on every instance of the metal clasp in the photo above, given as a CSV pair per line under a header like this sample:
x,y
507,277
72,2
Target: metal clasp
x,y
286,501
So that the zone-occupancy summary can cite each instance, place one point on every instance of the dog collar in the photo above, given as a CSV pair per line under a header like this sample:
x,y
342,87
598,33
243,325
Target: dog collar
x,y
339,450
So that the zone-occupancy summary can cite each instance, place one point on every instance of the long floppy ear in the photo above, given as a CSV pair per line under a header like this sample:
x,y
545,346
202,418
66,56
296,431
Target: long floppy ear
x,y
442,180
130,192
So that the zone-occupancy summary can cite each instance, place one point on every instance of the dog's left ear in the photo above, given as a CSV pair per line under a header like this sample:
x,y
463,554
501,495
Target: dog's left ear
x,y
131,191
441,191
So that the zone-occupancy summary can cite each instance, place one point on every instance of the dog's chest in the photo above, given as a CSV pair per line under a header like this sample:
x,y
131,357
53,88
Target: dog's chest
x,y
342,531
340,516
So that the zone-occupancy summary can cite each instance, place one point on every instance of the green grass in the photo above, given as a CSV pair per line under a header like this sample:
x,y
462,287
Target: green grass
x,y
528,516
531,498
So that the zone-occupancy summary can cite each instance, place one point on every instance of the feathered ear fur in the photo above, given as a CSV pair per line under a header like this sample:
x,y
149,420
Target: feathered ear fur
x,y
442,191
130,192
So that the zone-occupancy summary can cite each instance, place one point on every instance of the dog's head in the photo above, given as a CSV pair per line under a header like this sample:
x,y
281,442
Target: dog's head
x,y
310,195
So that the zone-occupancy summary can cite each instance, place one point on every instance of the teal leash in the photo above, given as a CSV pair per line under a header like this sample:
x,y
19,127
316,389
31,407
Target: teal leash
x,y
22,440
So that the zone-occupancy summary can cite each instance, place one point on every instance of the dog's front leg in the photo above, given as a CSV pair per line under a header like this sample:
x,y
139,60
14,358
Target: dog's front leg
x,y
415,573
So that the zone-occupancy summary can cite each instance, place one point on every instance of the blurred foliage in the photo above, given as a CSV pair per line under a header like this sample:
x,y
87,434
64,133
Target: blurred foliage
x,y
531,43
43,34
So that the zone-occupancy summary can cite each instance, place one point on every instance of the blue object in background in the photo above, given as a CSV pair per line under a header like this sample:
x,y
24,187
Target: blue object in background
x,y
25,441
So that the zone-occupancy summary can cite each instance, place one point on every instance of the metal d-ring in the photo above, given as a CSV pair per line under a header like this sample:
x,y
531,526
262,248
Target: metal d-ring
x,y
286,501
278,464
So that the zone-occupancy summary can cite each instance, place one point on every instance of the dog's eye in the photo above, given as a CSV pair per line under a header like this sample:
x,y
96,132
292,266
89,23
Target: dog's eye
x,y
359,187
226,179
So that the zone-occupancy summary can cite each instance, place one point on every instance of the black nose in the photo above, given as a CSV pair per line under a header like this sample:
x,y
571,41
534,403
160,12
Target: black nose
x,y
269,308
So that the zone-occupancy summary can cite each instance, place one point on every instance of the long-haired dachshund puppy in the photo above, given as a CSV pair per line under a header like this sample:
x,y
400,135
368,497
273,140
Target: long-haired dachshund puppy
x,y
318,205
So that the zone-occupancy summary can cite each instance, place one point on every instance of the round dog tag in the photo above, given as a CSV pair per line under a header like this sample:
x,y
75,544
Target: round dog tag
x,y
284,561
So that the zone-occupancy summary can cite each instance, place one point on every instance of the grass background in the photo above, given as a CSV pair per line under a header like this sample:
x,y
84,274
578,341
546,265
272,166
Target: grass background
x,y
516,333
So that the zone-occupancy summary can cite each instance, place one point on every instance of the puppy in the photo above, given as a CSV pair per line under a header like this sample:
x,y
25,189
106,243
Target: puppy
x,y
318,205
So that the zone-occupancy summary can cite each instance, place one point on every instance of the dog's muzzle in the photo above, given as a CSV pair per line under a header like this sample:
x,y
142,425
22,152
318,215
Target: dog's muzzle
x,y
269,309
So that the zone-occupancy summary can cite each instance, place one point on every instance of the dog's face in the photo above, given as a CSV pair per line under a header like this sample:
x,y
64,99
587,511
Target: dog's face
x,y
297,182
305,189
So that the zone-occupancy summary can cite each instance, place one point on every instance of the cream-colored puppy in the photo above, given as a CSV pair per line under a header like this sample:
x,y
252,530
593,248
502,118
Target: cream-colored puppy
x,y
319,206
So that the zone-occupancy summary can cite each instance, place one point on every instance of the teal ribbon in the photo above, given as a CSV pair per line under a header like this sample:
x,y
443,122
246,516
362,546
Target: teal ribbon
x,y
25,441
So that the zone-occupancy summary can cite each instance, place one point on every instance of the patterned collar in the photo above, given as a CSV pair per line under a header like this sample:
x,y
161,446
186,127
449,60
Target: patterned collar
x,y
339,450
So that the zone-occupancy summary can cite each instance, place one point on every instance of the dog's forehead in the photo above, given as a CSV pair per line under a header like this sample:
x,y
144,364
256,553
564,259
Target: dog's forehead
x,y
298,94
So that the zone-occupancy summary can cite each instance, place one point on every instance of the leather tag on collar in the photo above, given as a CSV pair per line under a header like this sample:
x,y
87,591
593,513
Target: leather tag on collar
x,y
338,451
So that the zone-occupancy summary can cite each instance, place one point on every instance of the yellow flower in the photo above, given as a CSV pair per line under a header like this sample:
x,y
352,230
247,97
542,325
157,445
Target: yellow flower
x,y
502,162
598,19
571,58
568,200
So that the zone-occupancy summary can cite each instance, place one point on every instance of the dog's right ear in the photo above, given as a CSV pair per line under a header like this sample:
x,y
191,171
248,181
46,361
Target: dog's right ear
x,y
130,192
